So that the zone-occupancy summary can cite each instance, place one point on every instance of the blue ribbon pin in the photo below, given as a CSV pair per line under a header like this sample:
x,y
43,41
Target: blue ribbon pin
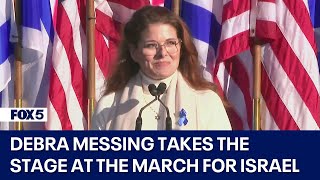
x,y
182,118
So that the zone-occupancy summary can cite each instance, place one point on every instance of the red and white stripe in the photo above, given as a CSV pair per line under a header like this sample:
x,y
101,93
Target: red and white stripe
x,y
290,75
67,107
234,73
234,35
67,94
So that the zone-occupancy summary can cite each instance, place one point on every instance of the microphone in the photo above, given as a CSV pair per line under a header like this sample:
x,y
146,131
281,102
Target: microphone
x,y
153,91
161,89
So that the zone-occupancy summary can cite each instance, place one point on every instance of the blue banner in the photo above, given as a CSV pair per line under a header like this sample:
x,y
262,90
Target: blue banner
x,y
159,154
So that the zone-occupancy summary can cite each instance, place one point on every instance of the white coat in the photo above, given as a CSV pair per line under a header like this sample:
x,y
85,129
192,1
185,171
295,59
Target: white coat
x,y
119,110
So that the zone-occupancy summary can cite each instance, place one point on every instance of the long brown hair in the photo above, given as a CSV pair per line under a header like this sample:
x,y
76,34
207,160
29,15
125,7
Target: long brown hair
x,y
126,68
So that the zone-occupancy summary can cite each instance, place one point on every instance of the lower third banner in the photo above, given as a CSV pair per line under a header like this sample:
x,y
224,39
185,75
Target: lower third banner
x,y
159,154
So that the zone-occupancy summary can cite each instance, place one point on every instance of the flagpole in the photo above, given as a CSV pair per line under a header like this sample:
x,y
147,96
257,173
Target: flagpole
x,y
256,55
256,84
18,64
176,7
91,59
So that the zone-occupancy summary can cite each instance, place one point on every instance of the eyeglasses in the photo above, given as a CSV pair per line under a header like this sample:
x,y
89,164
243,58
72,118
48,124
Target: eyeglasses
x,y
151,48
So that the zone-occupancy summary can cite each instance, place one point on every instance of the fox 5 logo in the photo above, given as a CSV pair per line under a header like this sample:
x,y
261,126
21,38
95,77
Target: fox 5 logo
x,y
24,114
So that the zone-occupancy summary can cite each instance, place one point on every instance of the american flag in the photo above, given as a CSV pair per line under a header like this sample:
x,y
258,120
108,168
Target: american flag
x,y
221,30
67,108
290,73
294,75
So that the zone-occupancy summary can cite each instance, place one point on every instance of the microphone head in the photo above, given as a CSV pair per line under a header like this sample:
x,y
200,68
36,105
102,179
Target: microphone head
x,y
161,88
153,89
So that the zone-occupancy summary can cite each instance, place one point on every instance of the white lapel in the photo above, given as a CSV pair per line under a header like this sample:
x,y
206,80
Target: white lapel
x,y
181,96
129,105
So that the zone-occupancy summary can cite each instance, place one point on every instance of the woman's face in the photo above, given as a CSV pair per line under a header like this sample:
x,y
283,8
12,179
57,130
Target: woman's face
x,y
158,51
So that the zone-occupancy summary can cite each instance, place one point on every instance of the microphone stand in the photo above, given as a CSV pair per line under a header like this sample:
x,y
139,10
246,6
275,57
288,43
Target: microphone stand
x,y
168,118
155,92
139,118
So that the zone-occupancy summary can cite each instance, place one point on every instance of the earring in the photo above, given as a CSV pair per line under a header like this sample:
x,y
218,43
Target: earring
x,y
122,61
